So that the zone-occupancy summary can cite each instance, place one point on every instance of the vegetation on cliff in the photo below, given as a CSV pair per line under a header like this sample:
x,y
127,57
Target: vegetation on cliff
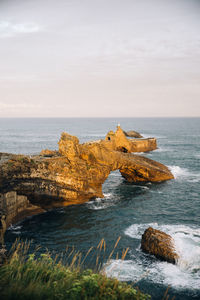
x,y
26,277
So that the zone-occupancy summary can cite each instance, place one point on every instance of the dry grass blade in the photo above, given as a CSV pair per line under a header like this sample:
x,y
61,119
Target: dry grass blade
x,y
87,255
104,246
119,238
117,242
74,259
97,260
124,253
71,252
100,245
165,294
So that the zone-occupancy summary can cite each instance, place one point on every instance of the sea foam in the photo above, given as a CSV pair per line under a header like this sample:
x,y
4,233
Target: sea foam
x,y
184,174
185,274
101,203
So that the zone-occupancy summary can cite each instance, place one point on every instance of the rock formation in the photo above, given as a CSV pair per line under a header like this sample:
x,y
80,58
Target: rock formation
x,y
13,208
118,141
76,172
133,134
160,244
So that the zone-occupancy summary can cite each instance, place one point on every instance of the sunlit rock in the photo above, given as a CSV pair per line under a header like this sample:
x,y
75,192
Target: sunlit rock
x,y
160,244
75,173
133,134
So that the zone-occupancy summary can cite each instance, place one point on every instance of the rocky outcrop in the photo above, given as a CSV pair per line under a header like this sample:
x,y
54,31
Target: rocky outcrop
x,y
133,134
76,172
160,244
119,142
13,208
48,153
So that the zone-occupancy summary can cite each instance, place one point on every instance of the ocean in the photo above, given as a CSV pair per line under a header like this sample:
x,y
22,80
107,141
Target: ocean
x,y
127,209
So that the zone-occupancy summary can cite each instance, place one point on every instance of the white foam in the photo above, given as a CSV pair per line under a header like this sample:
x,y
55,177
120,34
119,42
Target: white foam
x,y
172,275
160,149
146,136
101,203
139,153
143,187
184,173
186,274
15,227
124,270
115,174
136,230
178,172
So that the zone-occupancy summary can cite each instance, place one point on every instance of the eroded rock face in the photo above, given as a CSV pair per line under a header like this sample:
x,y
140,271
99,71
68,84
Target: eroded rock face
x,y
160,244
76,172
13,208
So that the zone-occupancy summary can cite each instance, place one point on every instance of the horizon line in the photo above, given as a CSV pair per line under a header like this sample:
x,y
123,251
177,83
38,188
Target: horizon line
x,y
153,117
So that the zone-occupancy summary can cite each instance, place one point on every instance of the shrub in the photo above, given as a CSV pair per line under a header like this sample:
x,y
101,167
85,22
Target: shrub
x,y
25,277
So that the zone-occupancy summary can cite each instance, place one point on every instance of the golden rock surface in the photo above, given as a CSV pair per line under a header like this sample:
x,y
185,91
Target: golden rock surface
x,y
160,244
76,172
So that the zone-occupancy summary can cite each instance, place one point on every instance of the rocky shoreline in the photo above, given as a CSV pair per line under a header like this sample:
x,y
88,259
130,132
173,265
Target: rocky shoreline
x,y
72,175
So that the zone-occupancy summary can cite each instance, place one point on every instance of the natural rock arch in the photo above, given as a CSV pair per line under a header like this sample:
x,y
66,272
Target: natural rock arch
x,y
76,172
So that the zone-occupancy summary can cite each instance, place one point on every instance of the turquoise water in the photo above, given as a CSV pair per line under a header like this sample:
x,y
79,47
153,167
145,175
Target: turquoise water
x,y
127,209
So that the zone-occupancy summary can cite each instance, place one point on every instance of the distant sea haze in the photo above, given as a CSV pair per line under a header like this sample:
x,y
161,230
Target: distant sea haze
x,y
127,209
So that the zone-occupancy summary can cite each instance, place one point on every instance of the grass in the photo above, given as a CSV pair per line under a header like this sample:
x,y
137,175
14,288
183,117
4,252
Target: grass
x,y
32,276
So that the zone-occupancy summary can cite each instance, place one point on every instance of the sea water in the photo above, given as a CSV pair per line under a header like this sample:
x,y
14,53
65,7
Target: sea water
x,y
127,209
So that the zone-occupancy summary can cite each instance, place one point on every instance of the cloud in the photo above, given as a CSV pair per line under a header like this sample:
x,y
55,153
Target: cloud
x,y
9,29
24,107
19,106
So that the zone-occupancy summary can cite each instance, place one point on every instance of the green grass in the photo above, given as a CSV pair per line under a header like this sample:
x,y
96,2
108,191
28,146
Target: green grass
x,y
23,276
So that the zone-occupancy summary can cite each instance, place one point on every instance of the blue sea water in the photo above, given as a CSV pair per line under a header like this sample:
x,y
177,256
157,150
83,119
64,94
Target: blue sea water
x,y
127,209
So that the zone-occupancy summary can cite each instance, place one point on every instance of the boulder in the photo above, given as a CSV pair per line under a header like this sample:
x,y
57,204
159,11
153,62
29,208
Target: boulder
x,y
133,134
159,244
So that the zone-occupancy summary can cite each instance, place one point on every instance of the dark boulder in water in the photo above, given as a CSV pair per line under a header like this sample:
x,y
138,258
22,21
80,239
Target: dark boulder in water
x,y
160,244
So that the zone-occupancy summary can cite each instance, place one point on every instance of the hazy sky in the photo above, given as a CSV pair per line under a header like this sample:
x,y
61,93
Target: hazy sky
x,y
99,58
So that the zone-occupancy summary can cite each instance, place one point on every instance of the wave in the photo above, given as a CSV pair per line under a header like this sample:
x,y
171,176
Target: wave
x,y
153,135
101,203
161,149
184,173
124,270
15,227
143,187
115,174
186,274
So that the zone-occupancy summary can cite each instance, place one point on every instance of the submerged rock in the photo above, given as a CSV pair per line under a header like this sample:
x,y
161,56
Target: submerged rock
x,y
160,244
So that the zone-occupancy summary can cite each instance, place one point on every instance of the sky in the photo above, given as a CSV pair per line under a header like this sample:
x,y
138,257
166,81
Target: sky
x,y
99,58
